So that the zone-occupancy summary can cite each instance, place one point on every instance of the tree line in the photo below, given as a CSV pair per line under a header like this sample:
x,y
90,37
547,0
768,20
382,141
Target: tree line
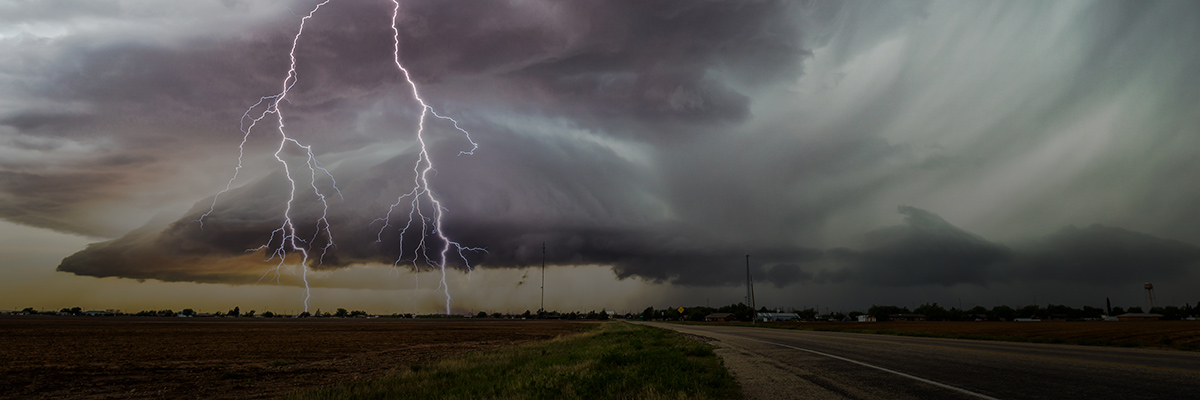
x,y
930,312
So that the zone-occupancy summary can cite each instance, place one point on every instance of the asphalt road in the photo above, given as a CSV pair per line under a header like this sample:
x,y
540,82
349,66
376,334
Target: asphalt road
x,y
786,364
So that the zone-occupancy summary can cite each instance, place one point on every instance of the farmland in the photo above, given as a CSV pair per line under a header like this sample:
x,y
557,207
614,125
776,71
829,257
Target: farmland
x,y
218,358
1174,334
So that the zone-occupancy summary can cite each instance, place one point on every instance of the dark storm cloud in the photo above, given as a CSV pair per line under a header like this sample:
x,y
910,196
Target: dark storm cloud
x,y
612,64
927,250
924,250
664,139
1102,254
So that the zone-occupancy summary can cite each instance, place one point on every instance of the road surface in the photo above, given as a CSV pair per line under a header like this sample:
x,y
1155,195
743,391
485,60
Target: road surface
x,y
791,364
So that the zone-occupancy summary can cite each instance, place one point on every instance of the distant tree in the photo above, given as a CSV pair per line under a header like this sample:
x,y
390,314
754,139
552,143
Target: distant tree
x,y
305,314
881,313
742,311
497,315
1118,310
1169,313
482,314
1031,311
1060,310
1004,313
250,313
648,314
526,314
1091,312
357,313
1135,309
341,313
29,310
76,311
268,314
188,312
807,314
65,310
932,312
234,312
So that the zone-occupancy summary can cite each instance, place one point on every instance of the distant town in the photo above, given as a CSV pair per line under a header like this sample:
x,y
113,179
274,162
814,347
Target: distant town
x,y
730,313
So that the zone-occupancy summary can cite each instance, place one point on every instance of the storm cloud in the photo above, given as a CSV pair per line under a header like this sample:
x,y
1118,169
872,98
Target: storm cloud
x,y
665,140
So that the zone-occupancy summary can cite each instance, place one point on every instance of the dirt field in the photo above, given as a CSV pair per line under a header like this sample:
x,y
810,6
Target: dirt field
x,y
218,358
1151,333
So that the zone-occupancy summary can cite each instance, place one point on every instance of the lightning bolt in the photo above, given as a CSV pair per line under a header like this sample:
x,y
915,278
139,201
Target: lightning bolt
x,y
284,241
425,208
426,211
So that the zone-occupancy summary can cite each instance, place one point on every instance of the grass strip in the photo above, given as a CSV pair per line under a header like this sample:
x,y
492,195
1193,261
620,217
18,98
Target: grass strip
x,y
616,360
1164,343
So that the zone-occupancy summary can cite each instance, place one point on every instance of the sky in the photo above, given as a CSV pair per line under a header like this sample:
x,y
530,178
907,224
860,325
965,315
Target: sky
x,y
900,152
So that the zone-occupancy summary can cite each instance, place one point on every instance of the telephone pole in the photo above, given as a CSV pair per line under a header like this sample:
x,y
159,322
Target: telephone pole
x,y
750,293
543,307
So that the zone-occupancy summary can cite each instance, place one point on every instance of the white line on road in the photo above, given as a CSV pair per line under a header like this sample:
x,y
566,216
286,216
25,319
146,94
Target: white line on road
x,y
939,384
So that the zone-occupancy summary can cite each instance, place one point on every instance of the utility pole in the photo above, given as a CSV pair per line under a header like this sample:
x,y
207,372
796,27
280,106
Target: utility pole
x,y
750,293
543,307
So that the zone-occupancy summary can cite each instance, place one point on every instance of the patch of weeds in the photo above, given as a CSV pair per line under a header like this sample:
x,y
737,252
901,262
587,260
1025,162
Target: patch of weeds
x,y
699,350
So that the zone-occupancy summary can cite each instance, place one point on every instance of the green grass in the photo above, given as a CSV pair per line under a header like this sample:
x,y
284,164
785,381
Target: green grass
x,y
615,360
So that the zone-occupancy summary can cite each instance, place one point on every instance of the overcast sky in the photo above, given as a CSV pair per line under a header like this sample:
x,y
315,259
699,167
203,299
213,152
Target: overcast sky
x,y
862,153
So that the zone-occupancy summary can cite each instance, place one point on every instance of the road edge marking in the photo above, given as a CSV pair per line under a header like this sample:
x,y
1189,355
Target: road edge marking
x,y
913,377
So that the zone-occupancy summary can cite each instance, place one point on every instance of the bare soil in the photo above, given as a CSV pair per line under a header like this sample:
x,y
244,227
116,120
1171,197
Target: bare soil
x,y
231,358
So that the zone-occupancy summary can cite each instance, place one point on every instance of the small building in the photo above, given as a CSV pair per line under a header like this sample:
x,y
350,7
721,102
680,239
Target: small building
x,y
1139,317
777,316
866,318
720,317
906,317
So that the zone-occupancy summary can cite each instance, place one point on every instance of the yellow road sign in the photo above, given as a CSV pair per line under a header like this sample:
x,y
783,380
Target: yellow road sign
x,y
680,309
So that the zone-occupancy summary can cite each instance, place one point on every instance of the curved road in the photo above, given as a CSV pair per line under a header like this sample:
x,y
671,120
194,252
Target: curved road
x,y
787,364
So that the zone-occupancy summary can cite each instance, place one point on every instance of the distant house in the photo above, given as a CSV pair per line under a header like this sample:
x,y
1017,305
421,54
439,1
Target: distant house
x,y
906,317
97,313
866,318
720,317
775,316
1139,317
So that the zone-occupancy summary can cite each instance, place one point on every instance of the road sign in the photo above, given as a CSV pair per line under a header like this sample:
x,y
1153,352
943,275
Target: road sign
x,y
680,309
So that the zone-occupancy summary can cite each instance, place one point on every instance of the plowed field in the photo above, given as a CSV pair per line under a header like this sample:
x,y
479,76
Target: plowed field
x,y
218,358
